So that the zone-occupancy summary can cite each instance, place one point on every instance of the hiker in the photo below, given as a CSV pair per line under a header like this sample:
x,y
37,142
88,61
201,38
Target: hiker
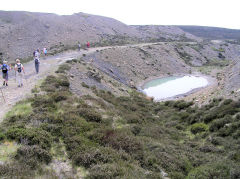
x,y
79,46
5,68
88,44
45,51
19,70
36,55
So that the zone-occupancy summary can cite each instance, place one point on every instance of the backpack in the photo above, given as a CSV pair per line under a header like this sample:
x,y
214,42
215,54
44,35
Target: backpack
x,y
19,68
4,68
36,61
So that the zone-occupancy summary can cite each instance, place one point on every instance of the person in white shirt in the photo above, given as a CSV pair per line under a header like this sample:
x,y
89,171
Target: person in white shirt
x,y
19,72
36,55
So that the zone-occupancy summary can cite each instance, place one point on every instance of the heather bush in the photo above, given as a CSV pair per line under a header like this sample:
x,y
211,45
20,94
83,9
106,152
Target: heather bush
x,y
2,136
30,136
220,170
63,68
219,123
198,127
33,155
90,114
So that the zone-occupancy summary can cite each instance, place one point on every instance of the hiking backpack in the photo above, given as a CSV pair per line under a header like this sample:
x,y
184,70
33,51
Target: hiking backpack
x,y
19,68
36,61
4,68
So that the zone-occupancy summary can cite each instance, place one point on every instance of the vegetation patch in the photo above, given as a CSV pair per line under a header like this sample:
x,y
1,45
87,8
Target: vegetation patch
x,y
199,127
120,136
217,62
20,109
7,150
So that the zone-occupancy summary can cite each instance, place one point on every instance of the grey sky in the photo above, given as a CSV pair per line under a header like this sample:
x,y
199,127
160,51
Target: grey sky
x,y
219,13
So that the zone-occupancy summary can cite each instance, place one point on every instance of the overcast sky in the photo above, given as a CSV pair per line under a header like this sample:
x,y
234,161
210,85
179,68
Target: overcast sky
x,y
219,13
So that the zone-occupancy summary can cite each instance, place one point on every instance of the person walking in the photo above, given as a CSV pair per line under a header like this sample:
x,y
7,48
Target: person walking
x,y
36,55
5,68
19,72
45,51
88,44
79,46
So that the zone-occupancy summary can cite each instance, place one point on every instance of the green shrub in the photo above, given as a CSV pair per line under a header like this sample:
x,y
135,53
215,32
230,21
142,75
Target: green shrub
x,y
236,135
182,104
235,156
32,155
177,175
227,130
15,170
219,123
106,171
227,101
210,116
221,170
133,118
121,141
136,130
217,141
63,68
90,114
199,127
92,156
85,85
121,170
43,104
30,136
60,96
53,83
2,136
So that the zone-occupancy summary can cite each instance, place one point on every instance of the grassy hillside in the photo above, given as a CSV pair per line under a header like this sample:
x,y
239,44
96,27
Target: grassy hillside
x,y
57,134
212,33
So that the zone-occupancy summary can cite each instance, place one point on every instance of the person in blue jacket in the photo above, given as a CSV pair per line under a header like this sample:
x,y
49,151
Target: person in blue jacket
x,y
5,68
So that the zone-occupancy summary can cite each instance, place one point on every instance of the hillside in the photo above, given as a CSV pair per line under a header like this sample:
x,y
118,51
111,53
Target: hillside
x,y
85,122
85,116
165,33
23,32
213,33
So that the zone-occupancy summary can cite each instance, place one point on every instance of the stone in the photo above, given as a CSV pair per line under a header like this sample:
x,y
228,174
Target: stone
x,y
94,75
164,174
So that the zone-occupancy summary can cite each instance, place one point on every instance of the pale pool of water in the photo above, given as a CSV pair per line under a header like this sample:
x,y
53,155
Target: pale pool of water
x,y
172,86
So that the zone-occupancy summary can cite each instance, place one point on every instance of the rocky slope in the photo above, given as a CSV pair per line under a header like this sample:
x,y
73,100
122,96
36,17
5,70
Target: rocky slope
x,y
212,32
140,62
165,33
23,32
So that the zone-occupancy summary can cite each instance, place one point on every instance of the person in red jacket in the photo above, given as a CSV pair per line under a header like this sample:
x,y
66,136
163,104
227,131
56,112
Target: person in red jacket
x,y
88,44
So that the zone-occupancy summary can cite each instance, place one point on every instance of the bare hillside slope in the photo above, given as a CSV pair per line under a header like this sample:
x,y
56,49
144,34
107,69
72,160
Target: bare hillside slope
x,y
22,32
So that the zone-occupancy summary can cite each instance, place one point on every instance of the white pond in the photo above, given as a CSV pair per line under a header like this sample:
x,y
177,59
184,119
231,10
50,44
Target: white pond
x,y
169,87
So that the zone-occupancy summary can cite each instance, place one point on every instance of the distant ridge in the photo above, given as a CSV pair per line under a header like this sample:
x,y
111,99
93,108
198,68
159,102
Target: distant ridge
x,y
212,33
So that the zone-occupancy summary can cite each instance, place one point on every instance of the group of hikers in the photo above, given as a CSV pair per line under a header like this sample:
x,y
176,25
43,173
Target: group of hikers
x,y
19,69
79,45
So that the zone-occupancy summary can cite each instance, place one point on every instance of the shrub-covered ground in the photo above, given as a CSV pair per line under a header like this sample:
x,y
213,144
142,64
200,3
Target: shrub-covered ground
x,y
120,137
